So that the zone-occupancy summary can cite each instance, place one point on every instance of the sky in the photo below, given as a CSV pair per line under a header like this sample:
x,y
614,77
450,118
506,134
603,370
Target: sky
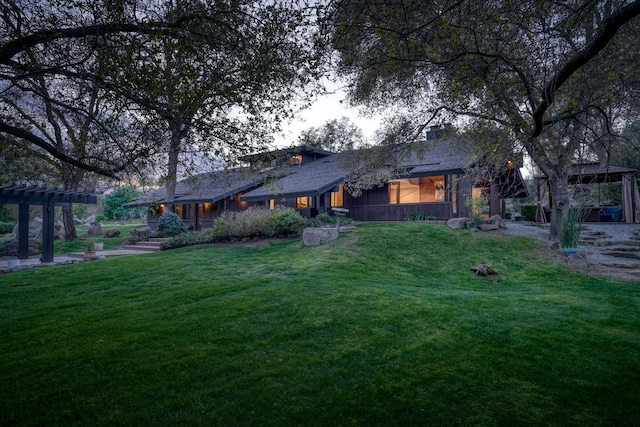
x,y
327,107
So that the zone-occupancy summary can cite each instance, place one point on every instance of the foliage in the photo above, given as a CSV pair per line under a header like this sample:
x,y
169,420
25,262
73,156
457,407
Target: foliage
x,y
190,238
258,222
284,221
552,79
5,213
6,227
170,224
528,212
571,227
113,204
369,330
335,135
419,217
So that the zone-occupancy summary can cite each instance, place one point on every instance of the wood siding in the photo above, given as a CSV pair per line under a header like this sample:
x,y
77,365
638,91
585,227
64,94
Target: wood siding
x,y
387,212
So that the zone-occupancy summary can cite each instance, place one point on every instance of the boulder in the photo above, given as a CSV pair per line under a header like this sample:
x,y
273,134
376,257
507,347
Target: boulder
x,y
314,236
95,229
112,232
457,222
487,227
497,220
140,232
10,248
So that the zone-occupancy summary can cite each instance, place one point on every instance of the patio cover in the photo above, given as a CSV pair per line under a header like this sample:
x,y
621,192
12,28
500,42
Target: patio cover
x,y
26,195
595,173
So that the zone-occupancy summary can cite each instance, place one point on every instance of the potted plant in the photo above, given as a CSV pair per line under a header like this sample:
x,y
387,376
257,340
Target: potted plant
x,y
90,253
570,232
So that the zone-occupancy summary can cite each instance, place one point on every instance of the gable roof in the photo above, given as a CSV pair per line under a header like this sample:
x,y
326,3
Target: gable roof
x,y
208,187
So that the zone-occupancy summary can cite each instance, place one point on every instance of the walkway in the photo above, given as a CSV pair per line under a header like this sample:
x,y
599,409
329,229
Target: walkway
x,y
71,258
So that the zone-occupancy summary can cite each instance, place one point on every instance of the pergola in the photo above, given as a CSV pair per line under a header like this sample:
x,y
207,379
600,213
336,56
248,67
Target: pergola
x,y
25,195
596,173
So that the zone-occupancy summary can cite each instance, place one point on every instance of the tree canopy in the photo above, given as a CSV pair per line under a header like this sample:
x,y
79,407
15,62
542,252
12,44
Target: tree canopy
x,y
550,75
135,72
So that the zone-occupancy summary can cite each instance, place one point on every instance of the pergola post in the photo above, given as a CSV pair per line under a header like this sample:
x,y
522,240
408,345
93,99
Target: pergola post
x,y
48,224
23,231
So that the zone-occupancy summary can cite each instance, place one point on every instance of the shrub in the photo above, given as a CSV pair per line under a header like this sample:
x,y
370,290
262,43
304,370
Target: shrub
x,y
325,218
529,212
170,224
285,221
257,222
188,239
6,227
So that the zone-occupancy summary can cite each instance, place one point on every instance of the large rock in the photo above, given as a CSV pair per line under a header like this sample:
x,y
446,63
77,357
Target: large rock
x,y
457,222
314,236
487,227
95,229
497,220
10,248
112,232
140,232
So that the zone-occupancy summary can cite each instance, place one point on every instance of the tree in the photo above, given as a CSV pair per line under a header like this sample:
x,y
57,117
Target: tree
x,y
549,75
224,84
114,203
335,135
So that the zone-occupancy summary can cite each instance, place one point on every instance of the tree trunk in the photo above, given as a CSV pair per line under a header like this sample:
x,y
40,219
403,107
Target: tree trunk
x,y
172,167
559,189
70,232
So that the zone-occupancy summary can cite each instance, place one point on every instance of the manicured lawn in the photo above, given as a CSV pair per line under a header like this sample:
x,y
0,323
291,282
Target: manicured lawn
x,y
385,326
79,245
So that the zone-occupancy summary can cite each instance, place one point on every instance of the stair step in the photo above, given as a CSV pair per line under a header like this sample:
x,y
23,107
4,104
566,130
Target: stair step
x,y
139,247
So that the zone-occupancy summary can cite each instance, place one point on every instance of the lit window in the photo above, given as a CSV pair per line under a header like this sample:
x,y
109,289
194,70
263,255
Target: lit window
x,y
272,204
417,190
337,197
303,202
296,159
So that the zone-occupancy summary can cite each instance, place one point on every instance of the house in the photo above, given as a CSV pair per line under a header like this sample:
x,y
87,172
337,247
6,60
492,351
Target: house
x,y
435,181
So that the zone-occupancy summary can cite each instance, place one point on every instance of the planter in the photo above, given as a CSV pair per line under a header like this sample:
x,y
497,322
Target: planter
x,y
569,251
90,255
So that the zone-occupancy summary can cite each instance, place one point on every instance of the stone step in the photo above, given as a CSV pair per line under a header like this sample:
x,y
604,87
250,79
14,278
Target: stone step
x,y
139,247
152,244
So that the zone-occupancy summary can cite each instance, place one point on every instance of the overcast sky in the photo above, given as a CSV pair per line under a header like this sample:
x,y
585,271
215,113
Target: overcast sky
x,y
326,108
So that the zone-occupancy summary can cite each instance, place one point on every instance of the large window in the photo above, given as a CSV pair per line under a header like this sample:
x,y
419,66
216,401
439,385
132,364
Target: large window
x,y
417,190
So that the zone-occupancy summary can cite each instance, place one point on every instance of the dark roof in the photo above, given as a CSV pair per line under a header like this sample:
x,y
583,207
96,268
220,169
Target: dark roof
x,y
590,173
208,187
34,194
310,179
315,178
302,149
593,173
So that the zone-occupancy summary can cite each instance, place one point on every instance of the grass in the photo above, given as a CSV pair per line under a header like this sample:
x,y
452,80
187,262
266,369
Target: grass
x,y
385,326
63,247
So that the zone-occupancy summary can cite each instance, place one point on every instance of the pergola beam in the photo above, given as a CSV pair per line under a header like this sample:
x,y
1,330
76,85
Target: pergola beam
x,y
25,195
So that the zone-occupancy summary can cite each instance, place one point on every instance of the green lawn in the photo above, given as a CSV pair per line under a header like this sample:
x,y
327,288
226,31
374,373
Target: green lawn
x,y
385,326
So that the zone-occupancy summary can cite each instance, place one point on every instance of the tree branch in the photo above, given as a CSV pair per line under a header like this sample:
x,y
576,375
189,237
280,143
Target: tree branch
x,y
597,44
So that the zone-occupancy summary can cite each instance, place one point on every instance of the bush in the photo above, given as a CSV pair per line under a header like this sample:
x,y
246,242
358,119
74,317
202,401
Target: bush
x,y
188,239
170,224
285,221
529,212
6,227
257,222
325,218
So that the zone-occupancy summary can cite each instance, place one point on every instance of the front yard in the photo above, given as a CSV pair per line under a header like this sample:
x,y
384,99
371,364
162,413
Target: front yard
x,y
385,326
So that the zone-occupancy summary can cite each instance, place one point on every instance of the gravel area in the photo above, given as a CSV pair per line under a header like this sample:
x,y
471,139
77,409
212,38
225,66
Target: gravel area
x,y
617,231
